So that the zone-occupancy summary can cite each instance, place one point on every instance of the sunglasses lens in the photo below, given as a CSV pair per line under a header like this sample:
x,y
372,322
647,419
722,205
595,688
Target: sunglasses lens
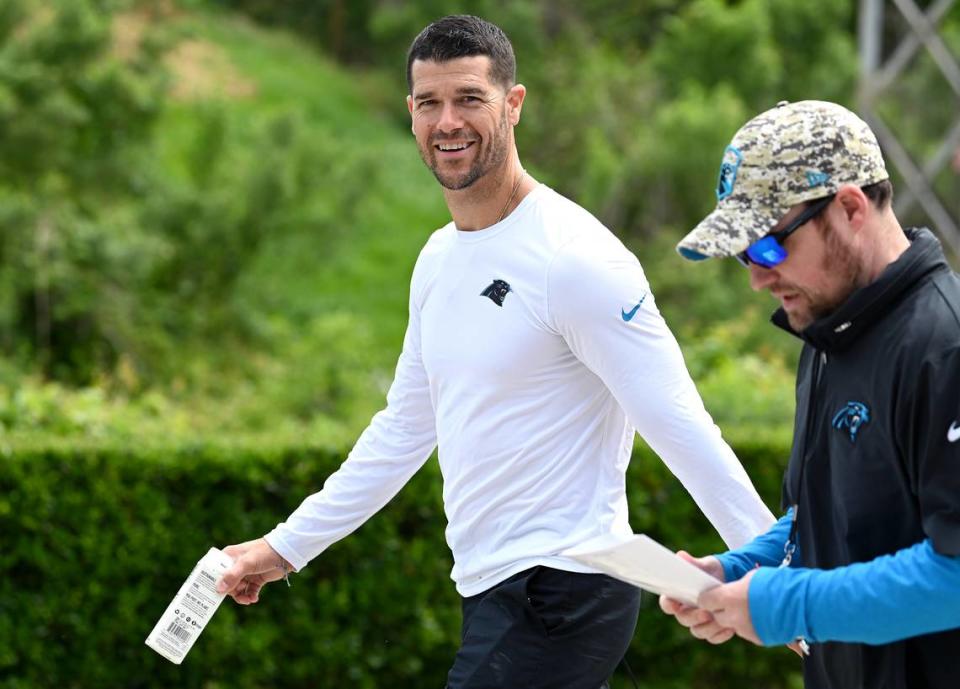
x,y
766,252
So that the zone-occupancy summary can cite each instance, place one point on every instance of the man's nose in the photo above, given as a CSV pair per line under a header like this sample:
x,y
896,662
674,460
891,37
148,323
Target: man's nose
x,y
450,119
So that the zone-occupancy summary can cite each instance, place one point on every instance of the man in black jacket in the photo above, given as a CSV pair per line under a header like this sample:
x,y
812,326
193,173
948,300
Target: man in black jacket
x,y
871,537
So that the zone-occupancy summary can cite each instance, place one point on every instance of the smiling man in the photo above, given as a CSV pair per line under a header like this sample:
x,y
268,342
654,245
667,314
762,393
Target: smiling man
x,y
533,353
872,534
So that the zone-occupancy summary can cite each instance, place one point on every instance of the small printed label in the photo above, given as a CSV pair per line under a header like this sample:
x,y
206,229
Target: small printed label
x,y
191,609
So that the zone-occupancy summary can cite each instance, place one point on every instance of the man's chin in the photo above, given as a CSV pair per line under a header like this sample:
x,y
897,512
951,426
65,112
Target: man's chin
x,y
454,182
799,321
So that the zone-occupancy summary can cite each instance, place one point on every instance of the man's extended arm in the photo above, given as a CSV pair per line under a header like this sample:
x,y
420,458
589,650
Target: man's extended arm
x,y
601,304
913,591
397,442
393,447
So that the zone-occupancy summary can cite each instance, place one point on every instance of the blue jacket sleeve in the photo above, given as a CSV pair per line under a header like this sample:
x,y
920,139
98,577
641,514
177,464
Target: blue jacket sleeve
x,y
765,550
911,592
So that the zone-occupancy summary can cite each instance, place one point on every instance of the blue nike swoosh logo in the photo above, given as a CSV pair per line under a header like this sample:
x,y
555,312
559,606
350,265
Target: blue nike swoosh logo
x,y
628,315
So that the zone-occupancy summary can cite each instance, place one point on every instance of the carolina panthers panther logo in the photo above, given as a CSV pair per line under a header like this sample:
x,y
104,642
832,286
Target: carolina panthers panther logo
x,y
497,291
852,418
728,172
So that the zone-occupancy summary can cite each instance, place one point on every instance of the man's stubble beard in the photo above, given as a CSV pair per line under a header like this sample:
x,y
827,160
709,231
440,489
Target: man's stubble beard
x,y
494,157
841,261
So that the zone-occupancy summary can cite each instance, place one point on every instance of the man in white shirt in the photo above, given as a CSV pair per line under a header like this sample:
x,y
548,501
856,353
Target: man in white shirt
x,y
533,353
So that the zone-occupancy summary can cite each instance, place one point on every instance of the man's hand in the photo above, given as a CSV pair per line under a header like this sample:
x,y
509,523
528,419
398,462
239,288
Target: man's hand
x,y
721,612
730,607
255,564
700,622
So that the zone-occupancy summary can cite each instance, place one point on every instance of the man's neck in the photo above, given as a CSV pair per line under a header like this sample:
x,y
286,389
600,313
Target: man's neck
x,y
491,198
891,243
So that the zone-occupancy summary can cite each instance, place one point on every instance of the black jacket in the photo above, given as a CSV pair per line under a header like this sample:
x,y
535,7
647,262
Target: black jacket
x,y
878,390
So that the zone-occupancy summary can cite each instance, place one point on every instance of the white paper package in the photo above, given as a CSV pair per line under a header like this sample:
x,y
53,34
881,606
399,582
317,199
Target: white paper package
x,y
191,609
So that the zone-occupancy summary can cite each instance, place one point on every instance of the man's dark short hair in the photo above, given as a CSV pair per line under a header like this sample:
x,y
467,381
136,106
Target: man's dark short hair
x,y
463,35
880,193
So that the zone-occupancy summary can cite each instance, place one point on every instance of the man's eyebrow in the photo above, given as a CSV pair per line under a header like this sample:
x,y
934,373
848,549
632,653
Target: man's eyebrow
x,y
462,91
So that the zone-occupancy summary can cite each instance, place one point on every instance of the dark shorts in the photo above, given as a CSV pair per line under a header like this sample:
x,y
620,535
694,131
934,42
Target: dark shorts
x,y
545,628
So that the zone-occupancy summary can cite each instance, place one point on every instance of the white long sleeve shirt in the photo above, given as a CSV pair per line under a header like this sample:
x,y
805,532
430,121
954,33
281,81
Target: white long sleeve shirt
x,y
533,352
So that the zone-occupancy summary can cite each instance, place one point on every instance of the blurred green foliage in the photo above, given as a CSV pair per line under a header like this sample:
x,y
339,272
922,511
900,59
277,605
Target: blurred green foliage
x,y
73,121
98,538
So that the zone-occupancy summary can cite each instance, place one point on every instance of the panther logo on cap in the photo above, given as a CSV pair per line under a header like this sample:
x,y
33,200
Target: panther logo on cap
x,y
728,172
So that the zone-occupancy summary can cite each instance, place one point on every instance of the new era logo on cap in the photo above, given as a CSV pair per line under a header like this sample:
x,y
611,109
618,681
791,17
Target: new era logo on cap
x,y
792,153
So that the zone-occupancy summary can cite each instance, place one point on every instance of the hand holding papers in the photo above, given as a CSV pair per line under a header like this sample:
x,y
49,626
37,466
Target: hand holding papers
x,y
641,561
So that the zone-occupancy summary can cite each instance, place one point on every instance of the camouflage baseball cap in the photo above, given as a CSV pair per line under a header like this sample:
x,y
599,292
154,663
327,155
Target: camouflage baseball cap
x,y
794,152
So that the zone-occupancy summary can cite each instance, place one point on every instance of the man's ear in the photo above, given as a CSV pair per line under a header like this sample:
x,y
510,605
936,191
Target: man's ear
x,y
854,204
410,110
515,97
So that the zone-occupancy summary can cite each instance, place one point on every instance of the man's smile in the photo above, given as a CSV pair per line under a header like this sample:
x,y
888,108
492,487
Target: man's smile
x,y
452,149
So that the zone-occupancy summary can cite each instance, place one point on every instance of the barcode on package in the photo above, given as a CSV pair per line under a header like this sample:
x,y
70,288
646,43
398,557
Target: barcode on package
x,y
178,631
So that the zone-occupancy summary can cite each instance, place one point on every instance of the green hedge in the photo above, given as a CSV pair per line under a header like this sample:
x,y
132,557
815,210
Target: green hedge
x,y
96,540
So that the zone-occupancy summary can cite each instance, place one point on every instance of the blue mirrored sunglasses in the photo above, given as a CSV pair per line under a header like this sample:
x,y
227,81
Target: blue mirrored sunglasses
x,y
768,251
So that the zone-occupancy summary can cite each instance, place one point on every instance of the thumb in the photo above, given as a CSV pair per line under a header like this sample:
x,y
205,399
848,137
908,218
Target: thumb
x,y
246,561
237,571
700,563
709,564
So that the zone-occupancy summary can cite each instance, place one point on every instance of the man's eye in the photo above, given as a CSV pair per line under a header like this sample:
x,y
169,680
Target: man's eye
x,y
470,99
426,104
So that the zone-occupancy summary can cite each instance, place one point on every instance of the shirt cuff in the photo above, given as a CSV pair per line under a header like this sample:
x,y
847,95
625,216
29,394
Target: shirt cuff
x,y
284,550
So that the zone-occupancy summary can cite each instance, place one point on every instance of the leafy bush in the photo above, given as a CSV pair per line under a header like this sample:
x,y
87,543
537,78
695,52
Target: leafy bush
x,y
97,539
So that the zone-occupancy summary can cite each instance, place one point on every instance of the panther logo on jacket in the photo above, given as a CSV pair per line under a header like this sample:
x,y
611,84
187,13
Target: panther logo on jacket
x,y
497,291
851,419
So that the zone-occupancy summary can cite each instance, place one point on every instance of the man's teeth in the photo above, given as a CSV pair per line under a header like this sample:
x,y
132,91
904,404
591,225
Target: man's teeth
x,y
452,147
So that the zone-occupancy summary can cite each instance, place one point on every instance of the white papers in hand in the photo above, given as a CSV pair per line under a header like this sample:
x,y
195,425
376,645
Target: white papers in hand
x,y
641,561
